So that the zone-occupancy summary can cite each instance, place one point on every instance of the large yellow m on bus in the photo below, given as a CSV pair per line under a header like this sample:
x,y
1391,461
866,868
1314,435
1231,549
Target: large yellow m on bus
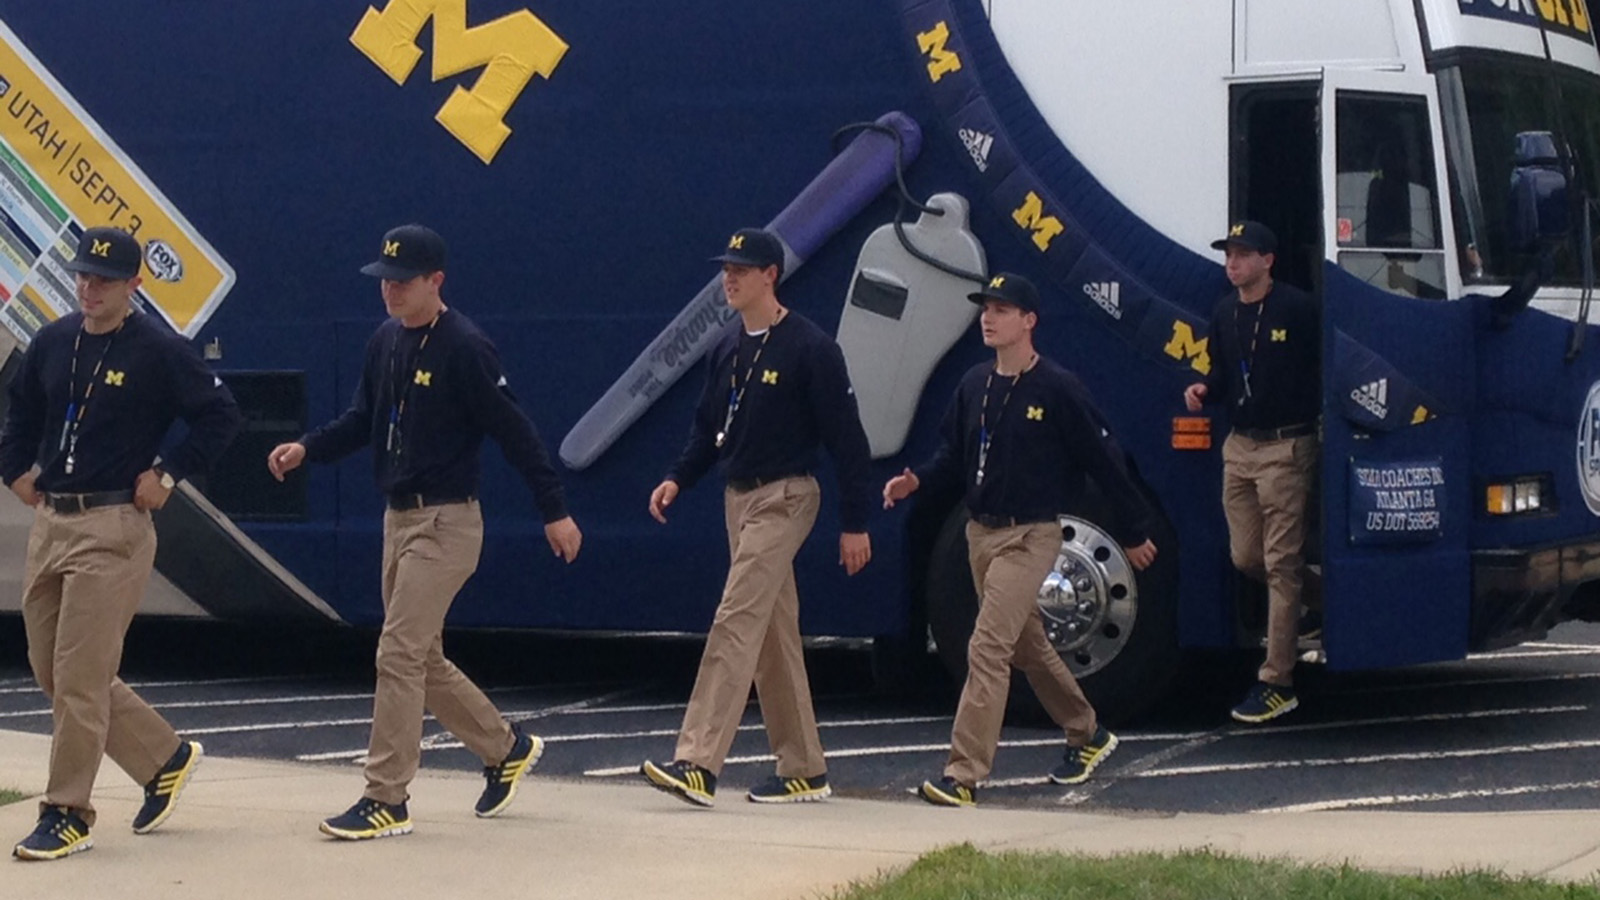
x,y
511,49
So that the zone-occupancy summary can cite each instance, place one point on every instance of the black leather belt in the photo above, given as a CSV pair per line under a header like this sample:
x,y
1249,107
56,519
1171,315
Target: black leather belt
x,y
1278,434
742,485
403,502
989,521
71,504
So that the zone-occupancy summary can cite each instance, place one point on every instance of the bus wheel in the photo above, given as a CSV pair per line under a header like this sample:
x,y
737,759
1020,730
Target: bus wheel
x,y
1115,628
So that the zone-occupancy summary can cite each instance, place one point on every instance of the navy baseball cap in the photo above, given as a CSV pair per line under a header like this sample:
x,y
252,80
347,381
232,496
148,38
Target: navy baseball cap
x,y
1250,235
1009,288
407,251
107,252
753,247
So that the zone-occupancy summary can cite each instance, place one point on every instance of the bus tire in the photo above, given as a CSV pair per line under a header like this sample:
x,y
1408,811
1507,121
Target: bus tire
x,y
1121,642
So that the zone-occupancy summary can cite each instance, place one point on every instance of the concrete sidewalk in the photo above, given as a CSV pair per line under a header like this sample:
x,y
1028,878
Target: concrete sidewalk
x,y
247,829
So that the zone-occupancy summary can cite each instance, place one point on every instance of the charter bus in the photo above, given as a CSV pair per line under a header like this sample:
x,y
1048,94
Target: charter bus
x,y
1429,165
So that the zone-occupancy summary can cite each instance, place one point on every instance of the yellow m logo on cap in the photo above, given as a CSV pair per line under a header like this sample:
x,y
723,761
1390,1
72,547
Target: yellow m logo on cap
x,y
769,377
100,248
1036,413
997,281
736,242
423,378
114,377
1236,230
391,248
1280,334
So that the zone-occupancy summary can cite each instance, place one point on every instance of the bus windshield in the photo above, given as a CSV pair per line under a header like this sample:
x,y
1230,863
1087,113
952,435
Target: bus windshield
x,y
1486,105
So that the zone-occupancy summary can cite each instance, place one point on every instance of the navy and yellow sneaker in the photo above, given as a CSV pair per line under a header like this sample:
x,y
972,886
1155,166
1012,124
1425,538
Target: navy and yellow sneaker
x,y
60,832
1266,702
161,793
1079,762
502,779
368,819
777,789
948,792
684,780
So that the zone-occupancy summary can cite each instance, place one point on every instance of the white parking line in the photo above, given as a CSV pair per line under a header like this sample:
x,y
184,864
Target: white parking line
x,y
1217,768
32,688
854,752
445,741
1395,799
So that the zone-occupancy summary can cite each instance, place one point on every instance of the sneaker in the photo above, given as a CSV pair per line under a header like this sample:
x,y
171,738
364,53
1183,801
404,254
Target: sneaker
x,y
684,780
60,832
1265,702
368,819
777,789
502,779
1078,762
161,794
948,792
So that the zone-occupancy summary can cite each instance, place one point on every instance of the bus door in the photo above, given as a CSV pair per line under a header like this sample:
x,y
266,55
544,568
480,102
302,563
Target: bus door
x,y
1394,468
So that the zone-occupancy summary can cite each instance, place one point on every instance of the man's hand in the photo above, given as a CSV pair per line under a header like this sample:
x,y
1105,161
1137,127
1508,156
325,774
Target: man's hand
x,y
855,551
661,498
1141,556
564,537
1194,396
148,493
285,458
23,488
900,487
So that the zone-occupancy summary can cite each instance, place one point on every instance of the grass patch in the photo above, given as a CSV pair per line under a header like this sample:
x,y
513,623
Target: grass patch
x,y
9,796
963,873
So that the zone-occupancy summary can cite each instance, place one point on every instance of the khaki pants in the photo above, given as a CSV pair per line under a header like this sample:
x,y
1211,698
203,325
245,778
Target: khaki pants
x,y
85,575
428,554
1264,488
755,636
1008,567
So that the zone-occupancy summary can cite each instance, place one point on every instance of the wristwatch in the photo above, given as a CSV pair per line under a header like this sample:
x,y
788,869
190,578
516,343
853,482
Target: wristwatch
x,y
167,480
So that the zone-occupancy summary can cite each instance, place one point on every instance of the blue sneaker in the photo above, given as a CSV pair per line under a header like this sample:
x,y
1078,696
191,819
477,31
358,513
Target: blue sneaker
x,y
682,779
948,792
60,832
776,789
502,779
1266,702
1079,762
161,794
368,819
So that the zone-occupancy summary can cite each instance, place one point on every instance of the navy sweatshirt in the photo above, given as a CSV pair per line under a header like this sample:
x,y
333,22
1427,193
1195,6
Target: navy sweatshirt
x,y
797,399
1045,439
1285,370
150,378
455,393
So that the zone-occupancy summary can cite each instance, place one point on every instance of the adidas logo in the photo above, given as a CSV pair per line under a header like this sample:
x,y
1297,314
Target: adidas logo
x,y
978,144
1373,397
1108,294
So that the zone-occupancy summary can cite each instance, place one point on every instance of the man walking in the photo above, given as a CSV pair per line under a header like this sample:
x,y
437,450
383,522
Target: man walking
x,y
777,391
1266,351
1021,433
431,389
90,409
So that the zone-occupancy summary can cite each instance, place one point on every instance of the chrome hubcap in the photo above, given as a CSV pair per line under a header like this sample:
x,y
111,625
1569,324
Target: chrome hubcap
x,y
1090,599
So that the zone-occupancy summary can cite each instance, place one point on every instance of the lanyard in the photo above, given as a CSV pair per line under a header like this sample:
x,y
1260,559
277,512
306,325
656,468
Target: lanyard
x,y
1247,361
735,386
402,391
985,437
76,407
